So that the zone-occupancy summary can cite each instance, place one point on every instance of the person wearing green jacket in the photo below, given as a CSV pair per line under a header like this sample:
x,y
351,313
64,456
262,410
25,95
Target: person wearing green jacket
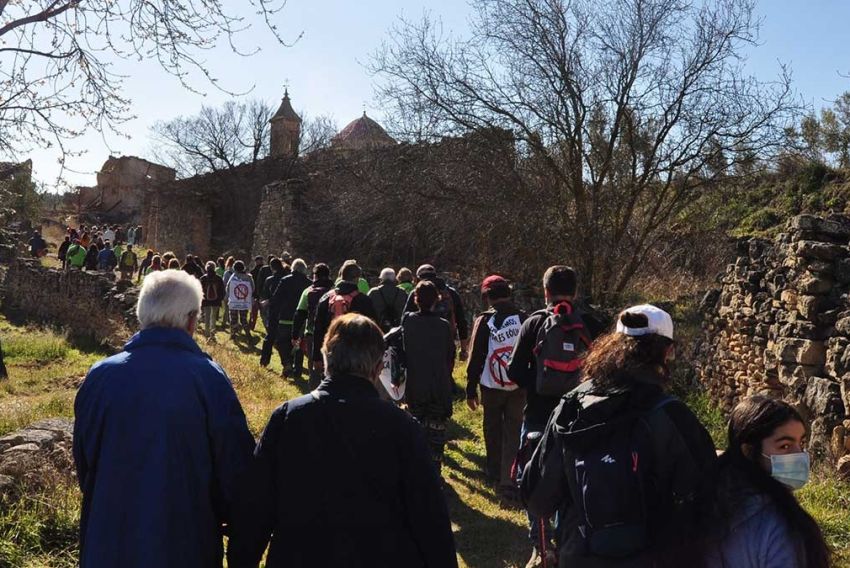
x,y
405,280
76,255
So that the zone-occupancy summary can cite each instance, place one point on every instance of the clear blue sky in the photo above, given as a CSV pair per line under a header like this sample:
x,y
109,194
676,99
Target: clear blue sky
x,y
326,76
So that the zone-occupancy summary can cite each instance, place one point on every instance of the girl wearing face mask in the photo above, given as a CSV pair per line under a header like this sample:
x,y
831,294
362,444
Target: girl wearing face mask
x,y
762,466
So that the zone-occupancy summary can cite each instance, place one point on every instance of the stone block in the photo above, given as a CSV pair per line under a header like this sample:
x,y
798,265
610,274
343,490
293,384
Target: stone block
x,y
813,284
796,376
800,351
809,307
837,443
819,251
820,267
23,448
836,226
842,271
804,222
24,437
823,397
843,468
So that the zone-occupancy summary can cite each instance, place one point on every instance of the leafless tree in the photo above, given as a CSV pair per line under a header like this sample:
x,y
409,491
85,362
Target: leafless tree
x,y
221,138
622,110
56,79
316,132
217,138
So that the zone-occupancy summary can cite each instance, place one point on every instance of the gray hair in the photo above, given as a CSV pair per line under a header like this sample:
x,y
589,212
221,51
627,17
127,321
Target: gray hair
x,y
298,265
169,299
354,345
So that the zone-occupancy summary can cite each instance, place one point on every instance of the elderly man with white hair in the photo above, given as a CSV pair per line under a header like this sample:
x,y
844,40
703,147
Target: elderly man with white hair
x,y
159,441
388,300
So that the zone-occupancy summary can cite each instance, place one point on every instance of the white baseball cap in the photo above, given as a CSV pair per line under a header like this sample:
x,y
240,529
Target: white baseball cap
x,y
660,322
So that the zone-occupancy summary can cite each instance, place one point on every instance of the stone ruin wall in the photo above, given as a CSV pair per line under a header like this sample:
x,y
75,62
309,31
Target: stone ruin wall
x,y
780,325
91,304
480,165
178,222
210,214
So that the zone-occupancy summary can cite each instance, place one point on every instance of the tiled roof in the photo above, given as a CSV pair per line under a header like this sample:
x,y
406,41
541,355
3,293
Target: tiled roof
x,y
363,132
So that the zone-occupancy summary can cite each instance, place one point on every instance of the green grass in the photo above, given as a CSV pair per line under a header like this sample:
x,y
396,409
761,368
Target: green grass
x,y
828,501
45,369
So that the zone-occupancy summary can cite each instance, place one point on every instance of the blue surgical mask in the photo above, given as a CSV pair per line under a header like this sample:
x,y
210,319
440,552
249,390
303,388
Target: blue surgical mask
x,y
792,470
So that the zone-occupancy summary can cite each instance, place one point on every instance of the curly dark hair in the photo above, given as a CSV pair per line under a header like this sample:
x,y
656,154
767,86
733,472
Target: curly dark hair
x,y
615,357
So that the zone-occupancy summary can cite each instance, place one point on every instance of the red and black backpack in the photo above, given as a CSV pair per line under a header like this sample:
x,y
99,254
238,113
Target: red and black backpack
x,y
562,346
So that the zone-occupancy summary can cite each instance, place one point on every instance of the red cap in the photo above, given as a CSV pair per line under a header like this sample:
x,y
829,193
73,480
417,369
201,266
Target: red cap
x,y
494,281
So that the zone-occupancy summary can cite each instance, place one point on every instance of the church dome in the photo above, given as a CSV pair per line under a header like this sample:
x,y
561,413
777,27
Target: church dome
x,y
363,133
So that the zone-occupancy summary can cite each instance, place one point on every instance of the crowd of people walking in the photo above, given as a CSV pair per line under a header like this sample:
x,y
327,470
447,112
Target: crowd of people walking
x,y
579,428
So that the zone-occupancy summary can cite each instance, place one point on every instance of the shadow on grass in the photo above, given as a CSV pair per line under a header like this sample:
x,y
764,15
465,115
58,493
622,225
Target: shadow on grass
x,y
457,431
485,541
473,473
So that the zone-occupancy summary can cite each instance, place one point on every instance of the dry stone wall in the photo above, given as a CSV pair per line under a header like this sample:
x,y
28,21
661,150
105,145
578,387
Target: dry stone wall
x,y
780,325
90,304
35,455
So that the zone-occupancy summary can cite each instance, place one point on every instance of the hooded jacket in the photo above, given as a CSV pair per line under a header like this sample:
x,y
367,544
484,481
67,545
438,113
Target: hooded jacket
x,y
676,454
159,442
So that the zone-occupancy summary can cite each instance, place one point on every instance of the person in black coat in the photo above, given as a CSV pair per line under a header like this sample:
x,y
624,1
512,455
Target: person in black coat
x,y
345,297
341,478
429,352
282,305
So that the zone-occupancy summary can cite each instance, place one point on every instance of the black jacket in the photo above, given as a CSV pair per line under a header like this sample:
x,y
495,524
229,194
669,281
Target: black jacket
x,y
361,304
341,478
263,275
305,318
460,314
681,465
481,342
270,284
255,274
522,368
286,295
429,352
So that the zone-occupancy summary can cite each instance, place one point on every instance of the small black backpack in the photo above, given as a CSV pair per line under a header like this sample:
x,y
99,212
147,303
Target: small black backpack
x,y
561,348
608,482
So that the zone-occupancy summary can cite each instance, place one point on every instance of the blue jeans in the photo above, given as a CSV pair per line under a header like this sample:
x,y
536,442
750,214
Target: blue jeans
x,y
534,522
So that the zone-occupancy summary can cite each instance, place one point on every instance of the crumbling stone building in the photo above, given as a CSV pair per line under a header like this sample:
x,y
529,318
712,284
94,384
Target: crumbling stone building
x,y
291,202
122,185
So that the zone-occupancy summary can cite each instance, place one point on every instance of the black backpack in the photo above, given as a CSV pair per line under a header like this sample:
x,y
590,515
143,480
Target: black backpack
x,y
607,480
562,345
389,318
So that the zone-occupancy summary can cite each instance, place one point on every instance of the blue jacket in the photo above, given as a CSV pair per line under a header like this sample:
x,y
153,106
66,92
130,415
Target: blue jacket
x,y
758,537
159,441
